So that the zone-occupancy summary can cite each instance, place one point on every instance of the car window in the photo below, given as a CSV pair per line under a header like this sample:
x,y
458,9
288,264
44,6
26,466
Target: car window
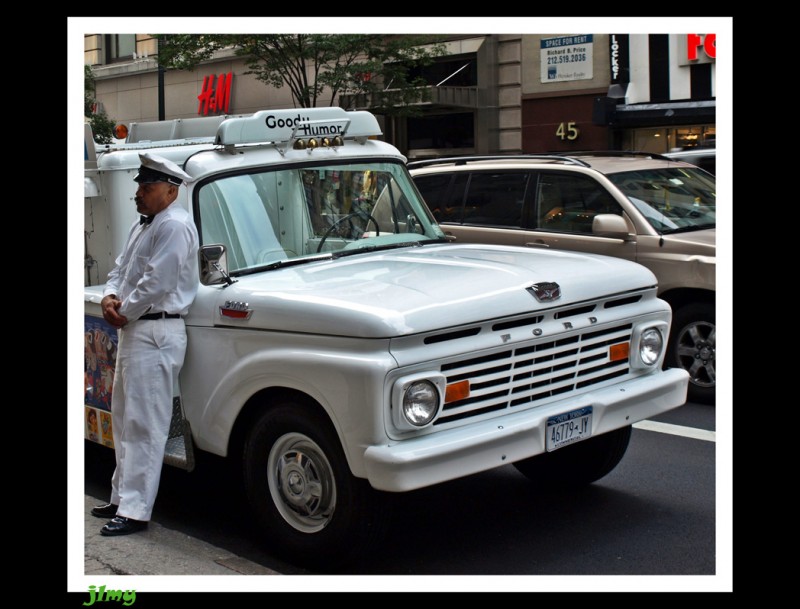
x,y
679,198
280,214
709,163
496,198
240,227
568,202
704,159
433,189
444,194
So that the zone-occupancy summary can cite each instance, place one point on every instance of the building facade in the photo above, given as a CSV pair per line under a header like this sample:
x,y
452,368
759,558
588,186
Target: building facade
x,y
489,94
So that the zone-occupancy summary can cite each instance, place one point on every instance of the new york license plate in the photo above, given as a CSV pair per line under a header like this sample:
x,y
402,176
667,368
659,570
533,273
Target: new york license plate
x,y
568,428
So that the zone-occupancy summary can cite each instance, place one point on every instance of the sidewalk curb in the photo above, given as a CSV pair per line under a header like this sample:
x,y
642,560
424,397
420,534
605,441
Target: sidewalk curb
x,y
157,551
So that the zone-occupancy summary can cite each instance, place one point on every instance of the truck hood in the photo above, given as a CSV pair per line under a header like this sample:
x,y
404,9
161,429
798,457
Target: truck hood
x,y
414,290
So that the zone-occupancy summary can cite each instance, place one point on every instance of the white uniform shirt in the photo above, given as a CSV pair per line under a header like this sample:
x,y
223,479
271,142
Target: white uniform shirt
x,y
157,270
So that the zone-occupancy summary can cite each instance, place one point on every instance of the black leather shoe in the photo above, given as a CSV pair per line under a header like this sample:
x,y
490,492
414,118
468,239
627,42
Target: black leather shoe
x,y
109,510
119,525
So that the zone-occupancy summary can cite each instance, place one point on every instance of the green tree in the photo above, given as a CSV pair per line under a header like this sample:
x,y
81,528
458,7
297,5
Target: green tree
x,y
102,125
384,68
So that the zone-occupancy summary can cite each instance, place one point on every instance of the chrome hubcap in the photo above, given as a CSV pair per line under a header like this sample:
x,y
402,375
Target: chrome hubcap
x,y
301,482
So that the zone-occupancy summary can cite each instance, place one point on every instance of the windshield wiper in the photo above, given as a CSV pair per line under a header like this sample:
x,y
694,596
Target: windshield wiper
x,y
279,264
376,248
390,246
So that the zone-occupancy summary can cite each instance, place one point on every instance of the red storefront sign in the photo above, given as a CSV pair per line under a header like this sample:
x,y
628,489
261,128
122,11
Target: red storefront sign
x,y
213,97
695,41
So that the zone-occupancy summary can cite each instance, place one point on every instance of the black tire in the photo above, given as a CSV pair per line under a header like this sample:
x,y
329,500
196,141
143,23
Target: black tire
x,y
577,465
692,346
313,511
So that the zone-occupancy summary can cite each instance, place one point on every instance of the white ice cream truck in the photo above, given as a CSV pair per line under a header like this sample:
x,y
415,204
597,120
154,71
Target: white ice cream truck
x,y
343,350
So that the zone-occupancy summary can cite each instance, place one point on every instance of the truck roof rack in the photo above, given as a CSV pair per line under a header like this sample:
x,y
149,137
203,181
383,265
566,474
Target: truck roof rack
x,y
175,129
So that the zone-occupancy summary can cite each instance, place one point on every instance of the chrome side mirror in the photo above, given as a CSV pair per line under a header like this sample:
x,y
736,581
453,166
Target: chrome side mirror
x,y
214,265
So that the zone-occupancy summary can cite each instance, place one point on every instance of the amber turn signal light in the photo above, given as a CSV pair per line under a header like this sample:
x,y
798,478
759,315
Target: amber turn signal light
x,y
456,391
619,352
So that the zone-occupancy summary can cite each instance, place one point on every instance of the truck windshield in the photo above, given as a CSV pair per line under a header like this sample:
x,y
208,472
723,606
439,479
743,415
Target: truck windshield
x,y
275,215
676,199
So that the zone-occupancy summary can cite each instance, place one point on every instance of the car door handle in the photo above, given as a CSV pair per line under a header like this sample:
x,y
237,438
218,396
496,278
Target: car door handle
x,y
537,244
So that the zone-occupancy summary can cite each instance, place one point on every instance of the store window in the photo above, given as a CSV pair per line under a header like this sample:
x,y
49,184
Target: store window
x,y
445,131
648,140
695,137
450,72
120,47
670,139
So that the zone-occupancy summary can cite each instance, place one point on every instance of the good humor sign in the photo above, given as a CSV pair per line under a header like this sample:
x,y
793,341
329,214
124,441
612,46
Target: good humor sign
x,y
567,58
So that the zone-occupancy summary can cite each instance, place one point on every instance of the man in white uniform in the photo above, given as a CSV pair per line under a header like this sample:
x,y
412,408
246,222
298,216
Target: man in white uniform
x,y
151,287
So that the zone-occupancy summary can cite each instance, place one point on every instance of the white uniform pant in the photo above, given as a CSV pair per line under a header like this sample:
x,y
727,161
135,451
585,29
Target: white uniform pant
x,y
150,354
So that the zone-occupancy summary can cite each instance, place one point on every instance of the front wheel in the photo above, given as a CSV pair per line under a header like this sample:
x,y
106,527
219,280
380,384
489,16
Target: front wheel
x,y
577,465
693,347
311,508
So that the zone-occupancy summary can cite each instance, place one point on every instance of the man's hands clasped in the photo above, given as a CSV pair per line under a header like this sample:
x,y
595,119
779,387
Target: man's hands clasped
x,y
110,305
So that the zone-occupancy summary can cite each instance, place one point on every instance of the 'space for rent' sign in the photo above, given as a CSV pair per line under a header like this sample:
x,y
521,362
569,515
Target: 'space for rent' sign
x,y
567,58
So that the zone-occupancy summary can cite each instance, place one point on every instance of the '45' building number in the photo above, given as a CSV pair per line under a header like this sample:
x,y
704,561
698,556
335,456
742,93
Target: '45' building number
x,y
567,131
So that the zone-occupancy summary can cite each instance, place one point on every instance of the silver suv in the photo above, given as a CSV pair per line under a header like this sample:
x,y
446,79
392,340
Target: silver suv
x,y
645,207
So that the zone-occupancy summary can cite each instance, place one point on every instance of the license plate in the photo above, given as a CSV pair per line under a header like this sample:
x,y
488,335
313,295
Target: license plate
x,y
568,428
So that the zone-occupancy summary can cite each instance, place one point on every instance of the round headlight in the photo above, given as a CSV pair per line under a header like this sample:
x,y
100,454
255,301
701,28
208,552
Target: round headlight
x,y
650,345
420,403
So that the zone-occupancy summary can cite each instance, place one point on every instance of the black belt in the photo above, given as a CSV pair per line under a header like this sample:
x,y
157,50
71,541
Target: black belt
x,y
161,316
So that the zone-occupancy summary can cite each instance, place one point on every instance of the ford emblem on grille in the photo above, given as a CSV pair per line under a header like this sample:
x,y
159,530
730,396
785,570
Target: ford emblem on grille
x,y
547,291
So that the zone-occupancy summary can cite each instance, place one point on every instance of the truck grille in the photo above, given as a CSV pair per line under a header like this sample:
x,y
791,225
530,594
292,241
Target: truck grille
x,y
533,372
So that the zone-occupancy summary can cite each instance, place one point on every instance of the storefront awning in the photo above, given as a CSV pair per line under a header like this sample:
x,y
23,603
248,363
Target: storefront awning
x,y
655,115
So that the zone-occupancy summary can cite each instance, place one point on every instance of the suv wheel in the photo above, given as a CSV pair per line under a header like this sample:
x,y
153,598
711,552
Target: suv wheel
x,y
692,346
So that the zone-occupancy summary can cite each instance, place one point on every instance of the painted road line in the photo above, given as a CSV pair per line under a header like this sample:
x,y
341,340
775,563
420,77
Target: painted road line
x,y
677,430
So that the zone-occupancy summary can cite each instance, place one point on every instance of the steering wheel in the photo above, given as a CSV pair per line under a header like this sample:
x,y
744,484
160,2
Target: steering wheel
x,y
348,217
